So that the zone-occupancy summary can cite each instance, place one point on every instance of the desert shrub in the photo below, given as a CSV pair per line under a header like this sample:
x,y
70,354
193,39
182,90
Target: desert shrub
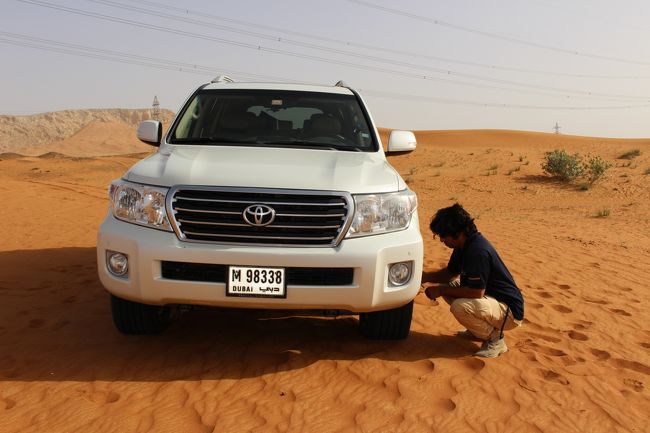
x,y
631,154
568,168
647,171
563,166
595,168
602,213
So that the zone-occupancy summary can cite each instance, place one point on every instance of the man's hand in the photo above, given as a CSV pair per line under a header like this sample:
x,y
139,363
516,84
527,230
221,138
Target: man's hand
x,y
440,276
432,291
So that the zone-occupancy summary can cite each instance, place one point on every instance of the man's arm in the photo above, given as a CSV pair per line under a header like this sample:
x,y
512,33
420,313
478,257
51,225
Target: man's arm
x,y
440,276
435,291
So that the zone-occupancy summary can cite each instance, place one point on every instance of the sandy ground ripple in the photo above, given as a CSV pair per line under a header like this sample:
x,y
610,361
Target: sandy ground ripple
x,y
580,363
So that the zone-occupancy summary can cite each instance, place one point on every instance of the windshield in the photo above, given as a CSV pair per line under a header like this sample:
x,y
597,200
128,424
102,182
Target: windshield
x,y
276,118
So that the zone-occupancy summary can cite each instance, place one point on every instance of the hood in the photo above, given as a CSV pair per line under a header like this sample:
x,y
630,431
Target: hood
x,y
354,172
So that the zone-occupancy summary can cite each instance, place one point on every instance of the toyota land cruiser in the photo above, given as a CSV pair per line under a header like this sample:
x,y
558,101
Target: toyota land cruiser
x,y
270,196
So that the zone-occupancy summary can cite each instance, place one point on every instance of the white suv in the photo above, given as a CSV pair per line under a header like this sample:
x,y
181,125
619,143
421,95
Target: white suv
x,y
271,196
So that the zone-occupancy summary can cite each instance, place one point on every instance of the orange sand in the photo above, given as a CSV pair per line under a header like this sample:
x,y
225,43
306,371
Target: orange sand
x,y
580,363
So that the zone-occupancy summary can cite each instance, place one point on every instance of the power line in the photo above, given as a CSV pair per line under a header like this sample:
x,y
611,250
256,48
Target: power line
x,y
121,57
163,64
496,36
384,49
354,54
421,98
139,24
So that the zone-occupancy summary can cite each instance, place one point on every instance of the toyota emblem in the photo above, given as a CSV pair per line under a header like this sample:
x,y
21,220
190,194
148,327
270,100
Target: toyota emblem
x,y
259,215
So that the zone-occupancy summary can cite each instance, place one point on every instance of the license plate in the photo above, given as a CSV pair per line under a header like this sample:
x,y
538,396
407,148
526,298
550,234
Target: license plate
x,y
256,282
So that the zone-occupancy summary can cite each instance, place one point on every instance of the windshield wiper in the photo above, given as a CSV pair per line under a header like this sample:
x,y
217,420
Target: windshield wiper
x,y
204,140
312,145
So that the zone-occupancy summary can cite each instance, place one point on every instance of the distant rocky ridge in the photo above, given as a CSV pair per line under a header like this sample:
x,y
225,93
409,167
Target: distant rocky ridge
x,y
33,134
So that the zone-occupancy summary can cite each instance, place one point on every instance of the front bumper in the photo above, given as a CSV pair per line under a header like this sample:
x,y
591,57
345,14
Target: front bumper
x,y
369,257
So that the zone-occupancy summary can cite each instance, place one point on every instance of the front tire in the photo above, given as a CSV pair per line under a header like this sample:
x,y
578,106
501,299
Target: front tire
x,y
393,324
133,318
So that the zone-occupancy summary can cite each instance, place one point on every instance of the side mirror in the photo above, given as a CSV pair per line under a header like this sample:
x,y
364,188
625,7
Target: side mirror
x,y
401,141
150,131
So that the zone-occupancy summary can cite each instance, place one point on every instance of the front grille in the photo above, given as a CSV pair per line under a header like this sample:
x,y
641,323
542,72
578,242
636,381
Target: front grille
x,y
211,273
217,215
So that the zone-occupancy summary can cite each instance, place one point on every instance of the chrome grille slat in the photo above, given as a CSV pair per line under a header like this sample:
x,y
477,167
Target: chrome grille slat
x,y
272,203
280,226
263,237
246,225
208,211
324,215
302,218
213,224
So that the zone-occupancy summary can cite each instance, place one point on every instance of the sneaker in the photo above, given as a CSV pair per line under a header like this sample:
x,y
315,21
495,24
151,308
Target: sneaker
x,y
492,349
466,333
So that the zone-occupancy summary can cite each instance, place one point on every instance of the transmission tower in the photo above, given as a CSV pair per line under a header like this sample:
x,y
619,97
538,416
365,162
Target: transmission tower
x,y
155,109
557,128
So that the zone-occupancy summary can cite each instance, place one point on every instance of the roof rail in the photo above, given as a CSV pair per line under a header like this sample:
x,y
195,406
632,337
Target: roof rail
x,y
341,83
223,79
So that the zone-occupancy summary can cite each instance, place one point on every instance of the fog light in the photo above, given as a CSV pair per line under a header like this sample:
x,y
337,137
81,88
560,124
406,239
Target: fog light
x,y
118,263
399,273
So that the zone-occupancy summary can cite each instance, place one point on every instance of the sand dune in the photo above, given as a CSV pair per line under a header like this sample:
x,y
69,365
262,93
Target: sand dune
x,y
105,138
580,363
75,132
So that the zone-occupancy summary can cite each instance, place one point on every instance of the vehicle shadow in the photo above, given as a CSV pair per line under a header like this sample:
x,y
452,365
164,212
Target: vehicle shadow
x,y
55,325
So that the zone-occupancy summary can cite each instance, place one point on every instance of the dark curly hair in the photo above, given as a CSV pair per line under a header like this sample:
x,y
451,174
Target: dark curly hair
x,y
452,221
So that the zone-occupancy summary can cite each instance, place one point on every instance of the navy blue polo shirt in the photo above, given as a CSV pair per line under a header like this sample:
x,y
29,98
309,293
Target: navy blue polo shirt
x,y
480,267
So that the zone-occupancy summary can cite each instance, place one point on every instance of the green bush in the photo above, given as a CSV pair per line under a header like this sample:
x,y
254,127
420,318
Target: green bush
x,y
568,168
563,166
595,168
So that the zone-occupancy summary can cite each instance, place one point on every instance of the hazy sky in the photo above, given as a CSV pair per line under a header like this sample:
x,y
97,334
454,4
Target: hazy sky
x,y
421,64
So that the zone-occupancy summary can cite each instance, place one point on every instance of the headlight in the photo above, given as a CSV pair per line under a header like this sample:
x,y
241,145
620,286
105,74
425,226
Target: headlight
x,y
382,213
139,204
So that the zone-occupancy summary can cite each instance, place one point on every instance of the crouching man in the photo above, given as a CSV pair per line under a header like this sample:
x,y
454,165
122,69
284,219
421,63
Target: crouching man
x,y
485,299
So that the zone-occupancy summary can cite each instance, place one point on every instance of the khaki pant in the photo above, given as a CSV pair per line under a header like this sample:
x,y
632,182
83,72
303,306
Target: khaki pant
x,y
483,317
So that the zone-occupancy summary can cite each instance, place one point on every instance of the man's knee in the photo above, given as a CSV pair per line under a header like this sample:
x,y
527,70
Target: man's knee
x,y
461,307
